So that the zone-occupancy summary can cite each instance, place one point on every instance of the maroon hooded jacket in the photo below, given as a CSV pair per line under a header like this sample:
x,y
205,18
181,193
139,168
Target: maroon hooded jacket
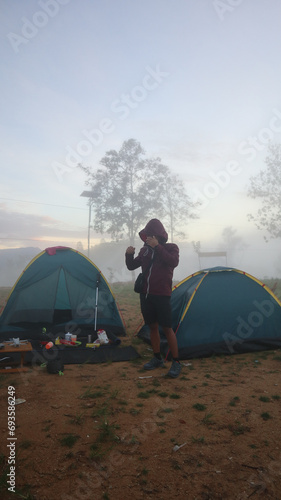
x,y
158,278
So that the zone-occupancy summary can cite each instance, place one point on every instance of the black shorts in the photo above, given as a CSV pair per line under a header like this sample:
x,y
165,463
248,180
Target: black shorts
x,y
156,309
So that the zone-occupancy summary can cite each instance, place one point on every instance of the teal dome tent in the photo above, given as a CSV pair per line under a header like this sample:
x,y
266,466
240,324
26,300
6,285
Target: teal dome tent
x,y
60,289
222,310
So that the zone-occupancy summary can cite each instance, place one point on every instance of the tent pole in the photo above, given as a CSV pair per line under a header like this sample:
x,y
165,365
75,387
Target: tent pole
x,y
96,307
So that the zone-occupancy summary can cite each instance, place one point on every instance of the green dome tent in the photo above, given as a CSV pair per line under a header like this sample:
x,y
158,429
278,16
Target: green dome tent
x,y
222,310
63,290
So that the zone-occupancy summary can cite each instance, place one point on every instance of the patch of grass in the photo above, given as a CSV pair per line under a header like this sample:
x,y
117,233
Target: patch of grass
x,y
167,410
69,440
114,394
25,444
123,402
266,416
199,407
238,428
144,471
105,440
234,400
96,453
156,383
198,440
107,432
207,420
89,393
48,426
264,399
144,395
174,396
161,411
78,419
276,397
101,412
163,394
153,391
134,411
134,440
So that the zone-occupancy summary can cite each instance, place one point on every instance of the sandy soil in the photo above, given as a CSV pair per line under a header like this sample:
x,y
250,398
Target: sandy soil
x,y
109,431
113,431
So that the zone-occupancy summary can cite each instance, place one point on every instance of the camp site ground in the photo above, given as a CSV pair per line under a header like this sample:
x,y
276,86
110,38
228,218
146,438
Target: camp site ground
x,y
112,430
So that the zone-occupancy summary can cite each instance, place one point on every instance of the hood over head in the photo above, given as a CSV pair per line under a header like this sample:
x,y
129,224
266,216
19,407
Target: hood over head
x,y
154,228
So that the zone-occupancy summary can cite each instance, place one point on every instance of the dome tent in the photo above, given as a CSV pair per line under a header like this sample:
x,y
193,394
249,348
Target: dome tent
x,y
60,289
222,310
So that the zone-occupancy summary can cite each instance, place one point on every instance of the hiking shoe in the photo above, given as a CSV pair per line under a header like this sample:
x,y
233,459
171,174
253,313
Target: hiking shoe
x,y
153,363
174,370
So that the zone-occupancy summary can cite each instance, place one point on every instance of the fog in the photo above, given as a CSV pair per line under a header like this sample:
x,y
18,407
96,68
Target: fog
x,y
261,260
197,83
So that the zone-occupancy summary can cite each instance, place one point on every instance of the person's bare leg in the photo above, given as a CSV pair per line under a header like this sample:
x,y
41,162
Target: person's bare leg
x,y
157,360
173,344
155,337
172,341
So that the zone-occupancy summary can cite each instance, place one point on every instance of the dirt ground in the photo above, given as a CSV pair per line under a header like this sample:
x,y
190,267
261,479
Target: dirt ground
x,y
114,431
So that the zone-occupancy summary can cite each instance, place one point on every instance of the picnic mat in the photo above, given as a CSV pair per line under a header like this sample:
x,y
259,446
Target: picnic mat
x,y
80,354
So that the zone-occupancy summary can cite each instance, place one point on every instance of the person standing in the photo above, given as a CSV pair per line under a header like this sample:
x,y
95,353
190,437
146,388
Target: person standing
x,y
158,260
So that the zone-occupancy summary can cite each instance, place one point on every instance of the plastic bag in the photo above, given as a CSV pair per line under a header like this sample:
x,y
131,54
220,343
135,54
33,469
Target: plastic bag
x,y
102,337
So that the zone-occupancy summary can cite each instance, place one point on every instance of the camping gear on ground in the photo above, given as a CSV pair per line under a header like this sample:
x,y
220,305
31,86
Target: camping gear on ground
x,y
57,289
102,338
222,310
54,362
55,366
59,341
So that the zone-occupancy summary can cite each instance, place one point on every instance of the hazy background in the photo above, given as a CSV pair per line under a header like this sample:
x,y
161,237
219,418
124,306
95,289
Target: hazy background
x,y
197,83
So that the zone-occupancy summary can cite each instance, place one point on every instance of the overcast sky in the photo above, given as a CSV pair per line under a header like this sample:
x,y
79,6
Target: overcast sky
x,y
196,82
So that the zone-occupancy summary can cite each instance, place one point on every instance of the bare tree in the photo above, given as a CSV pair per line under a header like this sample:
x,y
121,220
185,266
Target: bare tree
x,y
129,189
266,186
